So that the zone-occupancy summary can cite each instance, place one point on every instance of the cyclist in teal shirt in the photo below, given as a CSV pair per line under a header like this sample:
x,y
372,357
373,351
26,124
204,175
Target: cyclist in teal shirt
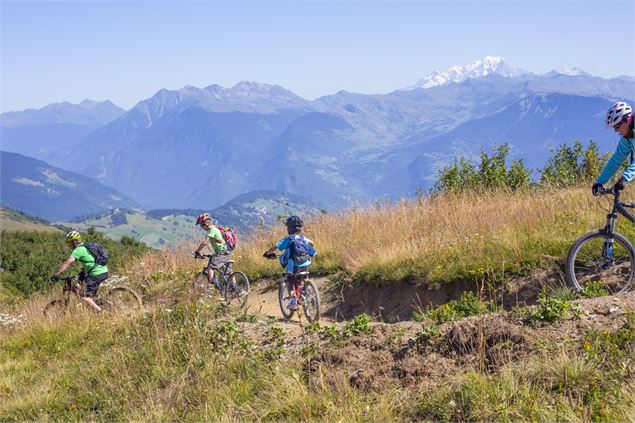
x,y
620,117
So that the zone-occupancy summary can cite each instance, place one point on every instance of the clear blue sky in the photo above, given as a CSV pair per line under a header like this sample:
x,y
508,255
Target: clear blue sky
x,y
126,51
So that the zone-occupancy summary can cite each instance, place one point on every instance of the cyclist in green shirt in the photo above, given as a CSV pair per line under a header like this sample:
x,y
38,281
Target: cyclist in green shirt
x,y
217,242
93,274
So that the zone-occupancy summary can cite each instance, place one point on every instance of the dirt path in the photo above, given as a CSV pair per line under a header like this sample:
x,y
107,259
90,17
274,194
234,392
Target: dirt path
x,y
263,302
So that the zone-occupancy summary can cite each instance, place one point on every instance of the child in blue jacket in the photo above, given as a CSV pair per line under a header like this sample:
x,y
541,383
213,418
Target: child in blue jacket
x,y
297,254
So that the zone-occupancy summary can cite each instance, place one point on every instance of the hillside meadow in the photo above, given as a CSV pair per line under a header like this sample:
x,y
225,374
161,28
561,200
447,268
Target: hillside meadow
x,y
188,360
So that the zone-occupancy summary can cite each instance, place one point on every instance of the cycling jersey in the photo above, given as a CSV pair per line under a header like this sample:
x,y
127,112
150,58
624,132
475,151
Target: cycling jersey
x,y
217,240
625,147
82,254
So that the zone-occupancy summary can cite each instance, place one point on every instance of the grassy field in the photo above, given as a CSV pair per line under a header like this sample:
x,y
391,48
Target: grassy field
x,y
194,361
12,220
156,233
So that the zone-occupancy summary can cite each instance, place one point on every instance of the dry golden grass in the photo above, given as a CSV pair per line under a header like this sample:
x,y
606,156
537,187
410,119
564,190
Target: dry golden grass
x,y
443,238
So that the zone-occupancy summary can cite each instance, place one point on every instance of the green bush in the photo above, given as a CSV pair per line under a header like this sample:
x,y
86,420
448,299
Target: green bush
x,y
492,173
569,166
468,305
28,259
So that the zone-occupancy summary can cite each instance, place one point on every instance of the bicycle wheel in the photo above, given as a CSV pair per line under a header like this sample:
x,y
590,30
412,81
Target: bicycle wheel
x,y
200,285
283,299
237,289
56,308
311,302
122,299
599,259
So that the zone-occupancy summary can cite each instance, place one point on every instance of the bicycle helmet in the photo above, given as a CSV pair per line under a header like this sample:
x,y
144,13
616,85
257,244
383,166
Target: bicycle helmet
x,y
202,218
617,113
73,236
293,223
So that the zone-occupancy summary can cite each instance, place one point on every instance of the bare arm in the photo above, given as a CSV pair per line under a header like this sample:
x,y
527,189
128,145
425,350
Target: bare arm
x,y
201,246
65,265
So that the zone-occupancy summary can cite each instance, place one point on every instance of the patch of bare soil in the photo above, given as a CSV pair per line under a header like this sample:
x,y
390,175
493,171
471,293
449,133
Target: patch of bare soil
x,y
407,353
402,354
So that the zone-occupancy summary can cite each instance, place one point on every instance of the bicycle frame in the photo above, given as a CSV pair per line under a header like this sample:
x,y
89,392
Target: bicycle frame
x,y
618,207
222,271
611,219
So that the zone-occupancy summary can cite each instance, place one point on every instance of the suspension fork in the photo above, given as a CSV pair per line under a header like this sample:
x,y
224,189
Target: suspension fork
x,y
609,229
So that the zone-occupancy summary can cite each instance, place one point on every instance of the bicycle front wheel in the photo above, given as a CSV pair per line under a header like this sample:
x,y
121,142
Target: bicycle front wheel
x,y
56,308
311,302
602,260
122,299
237,289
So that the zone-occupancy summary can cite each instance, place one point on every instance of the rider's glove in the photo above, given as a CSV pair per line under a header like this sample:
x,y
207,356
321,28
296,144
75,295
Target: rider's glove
x,y
597,189
196,254
269,255
620,185
55,278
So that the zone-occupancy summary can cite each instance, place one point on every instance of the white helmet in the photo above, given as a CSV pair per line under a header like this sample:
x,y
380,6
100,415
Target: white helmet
x,y
616,113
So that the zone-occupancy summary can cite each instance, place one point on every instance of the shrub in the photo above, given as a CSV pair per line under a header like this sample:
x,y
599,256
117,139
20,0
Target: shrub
x,y
29,258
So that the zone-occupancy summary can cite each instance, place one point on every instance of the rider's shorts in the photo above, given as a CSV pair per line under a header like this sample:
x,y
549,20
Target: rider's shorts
x,y
293,279
218,260
92,284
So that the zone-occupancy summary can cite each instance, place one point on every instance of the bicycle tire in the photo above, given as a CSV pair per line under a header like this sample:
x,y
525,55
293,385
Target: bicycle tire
x,y
585,263
238,290
122,299
200,285
311,302
283,299
56,308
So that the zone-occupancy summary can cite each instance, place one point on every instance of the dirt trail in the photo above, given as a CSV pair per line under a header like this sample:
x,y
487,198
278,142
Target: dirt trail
x,y
263,301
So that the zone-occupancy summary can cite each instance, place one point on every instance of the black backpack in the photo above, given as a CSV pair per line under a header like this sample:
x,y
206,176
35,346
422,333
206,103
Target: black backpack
x,y
298,249
98,252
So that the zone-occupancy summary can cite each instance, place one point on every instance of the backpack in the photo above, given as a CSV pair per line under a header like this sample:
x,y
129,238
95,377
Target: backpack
x,y
230,237
298,249
98,252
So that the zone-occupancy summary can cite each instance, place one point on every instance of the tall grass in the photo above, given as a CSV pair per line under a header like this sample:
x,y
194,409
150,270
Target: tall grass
x,y
443,238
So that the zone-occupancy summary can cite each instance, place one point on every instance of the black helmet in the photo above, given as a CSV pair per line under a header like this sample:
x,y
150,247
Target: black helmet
x,y
293,223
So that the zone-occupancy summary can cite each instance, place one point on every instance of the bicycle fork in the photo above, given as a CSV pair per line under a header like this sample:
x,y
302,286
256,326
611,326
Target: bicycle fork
x,y
607,245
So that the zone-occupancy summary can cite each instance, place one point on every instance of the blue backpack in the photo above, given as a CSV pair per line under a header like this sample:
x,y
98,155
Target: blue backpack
x,y
299,249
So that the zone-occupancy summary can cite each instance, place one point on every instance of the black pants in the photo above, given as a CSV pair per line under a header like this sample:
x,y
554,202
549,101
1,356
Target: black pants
x,y
92,284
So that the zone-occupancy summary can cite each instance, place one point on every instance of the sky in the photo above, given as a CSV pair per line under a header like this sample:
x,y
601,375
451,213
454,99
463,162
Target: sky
x,y
127,51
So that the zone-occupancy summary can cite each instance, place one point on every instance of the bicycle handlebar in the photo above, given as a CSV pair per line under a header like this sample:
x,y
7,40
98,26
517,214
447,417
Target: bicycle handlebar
x,y
202,256
64,278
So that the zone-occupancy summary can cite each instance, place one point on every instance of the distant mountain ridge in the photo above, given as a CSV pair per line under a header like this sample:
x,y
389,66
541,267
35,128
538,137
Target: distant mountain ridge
x,y
39,189
201,147
39,133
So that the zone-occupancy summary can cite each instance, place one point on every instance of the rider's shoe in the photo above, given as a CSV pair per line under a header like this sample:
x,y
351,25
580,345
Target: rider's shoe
x,y
293,304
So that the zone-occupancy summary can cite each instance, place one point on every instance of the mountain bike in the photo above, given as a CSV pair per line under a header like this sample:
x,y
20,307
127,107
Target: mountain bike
x,y
604,257
305,291
116,298
232,286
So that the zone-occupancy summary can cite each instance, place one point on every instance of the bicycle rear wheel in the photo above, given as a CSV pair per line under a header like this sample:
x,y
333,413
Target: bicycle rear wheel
x,y
595,258
283,299
237,289
311,302
122,299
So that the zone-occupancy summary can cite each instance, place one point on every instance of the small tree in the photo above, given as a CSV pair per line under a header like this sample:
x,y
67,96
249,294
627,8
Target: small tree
x,y
569,166
492,173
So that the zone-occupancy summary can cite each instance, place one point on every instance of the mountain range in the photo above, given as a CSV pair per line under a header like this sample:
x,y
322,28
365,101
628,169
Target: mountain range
x,y
201,147
39,189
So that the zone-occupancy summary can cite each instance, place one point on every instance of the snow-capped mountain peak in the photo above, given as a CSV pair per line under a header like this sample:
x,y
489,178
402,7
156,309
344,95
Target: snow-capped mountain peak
x,y
485,66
